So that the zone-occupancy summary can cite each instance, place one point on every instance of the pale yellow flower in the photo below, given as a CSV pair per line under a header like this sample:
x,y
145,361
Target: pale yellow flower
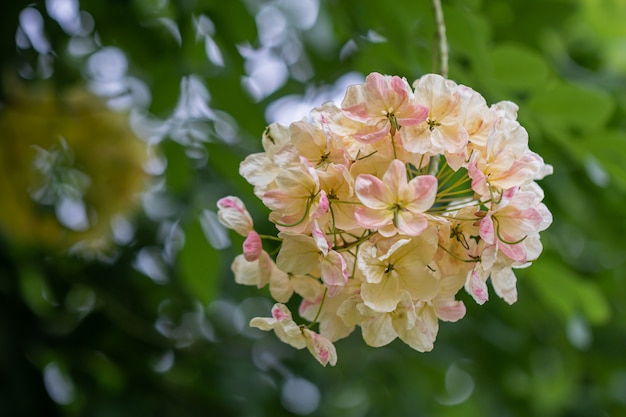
x,y
392,267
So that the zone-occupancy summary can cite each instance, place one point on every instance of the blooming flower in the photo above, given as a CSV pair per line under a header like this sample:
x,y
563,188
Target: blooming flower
x,y
399,267
302,254
299,337
263,271
394,204
296,199
442,129
384,104
233,214
386,208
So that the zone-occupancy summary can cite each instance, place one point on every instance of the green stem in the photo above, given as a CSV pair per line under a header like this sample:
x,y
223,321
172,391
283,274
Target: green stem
x,y
503,240
319,310
304,216
269,237
356,242
457,257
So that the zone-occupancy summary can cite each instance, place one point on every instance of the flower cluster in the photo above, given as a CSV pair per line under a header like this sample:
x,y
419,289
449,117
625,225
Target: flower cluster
x,y
386,207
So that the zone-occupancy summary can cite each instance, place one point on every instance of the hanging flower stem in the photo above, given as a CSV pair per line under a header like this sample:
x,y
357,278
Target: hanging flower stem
x,y
441,37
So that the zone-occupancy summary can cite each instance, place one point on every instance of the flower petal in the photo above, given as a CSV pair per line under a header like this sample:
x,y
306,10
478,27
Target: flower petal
x,y
372,192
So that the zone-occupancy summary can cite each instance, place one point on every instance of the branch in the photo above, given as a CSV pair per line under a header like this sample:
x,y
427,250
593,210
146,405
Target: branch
x,y
441,37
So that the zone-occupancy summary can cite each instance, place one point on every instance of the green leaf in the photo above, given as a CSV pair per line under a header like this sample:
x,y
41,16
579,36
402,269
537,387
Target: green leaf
x,y
36,291
519,68
568,106
199,264
566,292
609,150
594,304
179,174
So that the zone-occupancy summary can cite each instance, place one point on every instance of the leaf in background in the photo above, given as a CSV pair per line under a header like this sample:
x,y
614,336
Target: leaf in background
x,y
566,292
518,67
568,106
179,172
199,264
36,291
609,150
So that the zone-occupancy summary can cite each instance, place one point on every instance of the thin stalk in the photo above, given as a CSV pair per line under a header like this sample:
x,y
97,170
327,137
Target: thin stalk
x,y
319,310
441,37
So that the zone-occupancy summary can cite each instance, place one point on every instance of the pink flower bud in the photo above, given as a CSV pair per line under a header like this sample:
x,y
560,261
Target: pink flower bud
x,y
252,247
232,214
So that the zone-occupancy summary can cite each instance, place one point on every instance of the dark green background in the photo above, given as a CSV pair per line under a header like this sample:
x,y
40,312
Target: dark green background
x,y
181,348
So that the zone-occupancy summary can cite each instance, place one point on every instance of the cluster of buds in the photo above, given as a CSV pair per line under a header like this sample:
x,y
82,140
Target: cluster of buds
x,y
386,207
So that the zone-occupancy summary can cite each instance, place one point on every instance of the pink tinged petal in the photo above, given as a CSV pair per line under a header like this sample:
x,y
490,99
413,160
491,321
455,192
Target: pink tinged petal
x,y
320,238
451,138
357,112
411,224
310,169
546,217
412,114
309,308
322,205
283,325
398,96
281,312
449,309
373,133
417,139
334,270
533,247
369,264
263,323
287,156
523,171
378,331
232,214
488,258
400,87
476,287
376,86
252,246
321,348
423,190
504,283
395,179
479,179
422,336
354,104
373,219
372,192
487,229
456,160
515,252
527,220
277,200
509,193
419,337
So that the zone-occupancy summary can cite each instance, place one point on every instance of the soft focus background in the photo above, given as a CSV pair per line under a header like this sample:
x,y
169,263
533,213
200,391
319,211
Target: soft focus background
x,y
122,122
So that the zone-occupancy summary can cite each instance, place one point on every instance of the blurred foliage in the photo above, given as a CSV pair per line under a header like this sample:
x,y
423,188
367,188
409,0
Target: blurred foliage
x,y
148,321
